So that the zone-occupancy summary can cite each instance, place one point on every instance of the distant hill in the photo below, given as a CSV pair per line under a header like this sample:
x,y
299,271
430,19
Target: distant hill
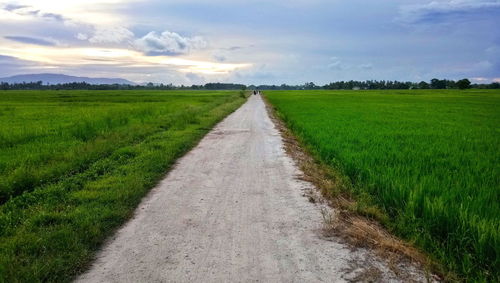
x,y
61,79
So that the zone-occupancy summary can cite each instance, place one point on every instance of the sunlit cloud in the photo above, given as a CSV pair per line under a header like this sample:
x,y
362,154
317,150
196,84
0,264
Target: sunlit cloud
x,y
100,38
482,80
114,56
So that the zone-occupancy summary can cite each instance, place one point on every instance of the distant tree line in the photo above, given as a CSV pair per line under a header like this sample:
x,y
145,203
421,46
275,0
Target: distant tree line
x,y
368,84
87,86
374,84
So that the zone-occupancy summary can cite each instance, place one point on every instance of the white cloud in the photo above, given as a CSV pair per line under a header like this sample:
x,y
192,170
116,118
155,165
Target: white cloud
x,y
168,43
483,80
82,36
110,35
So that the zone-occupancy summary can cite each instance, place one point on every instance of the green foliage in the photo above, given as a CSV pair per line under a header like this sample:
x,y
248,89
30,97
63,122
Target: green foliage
x,y
428,158
423,85
463,84
74,165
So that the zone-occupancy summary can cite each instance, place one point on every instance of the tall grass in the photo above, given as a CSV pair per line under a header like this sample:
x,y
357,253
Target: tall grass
x,y
429,159
74,164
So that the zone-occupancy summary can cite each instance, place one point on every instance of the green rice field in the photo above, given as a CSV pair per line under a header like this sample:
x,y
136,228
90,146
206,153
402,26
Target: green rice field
x,y
429,159
74,165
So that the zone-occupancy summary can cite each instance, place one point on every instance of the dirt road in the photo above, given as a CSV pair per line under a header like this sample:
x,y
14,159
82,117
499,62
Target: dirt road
x,y
232,210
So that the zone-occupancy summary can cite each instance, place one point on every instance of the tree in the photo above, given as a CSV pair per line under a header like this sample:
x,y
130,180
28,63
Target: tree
x,y
309,85
423,85
438,84
463,84
450,84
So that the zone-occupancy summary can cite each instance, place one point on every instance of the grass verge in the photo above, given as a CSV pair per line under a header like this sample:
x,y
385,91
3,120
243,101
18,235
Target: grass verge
x,y
50,230
396,153
356,222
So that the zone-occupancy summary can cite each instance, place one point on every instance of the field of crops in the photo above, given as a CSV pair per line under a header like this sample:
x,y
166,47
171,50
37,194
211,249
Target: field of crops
x,y
74,164
429,159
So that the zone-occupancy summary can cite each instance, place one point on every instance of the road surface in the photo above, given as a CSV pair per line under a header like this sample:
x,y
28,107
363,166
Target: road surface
x,y
232,210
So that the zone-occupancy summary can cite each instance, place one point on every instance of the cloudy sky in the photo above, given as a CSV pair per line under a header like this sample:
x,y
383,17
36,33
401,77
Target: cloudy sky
x,y
252,41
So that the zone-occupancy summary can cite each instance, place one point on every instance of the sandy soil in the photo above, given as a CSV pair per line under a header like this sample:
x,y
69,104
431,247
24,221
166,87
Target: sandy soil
x,y
233,210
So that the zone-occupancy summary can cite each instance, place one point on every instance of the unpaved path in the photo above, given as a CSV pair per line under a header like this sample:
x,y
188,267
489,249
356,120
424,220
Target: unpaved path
x,y
232,210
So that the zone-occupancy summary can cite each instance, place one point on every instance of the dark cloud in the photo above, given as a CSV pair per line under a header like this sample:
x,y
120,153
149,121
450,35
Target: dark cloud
x,y
12,65
12,7
53,16
444,11
30,40
220,58
5,58
235,48
31,11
